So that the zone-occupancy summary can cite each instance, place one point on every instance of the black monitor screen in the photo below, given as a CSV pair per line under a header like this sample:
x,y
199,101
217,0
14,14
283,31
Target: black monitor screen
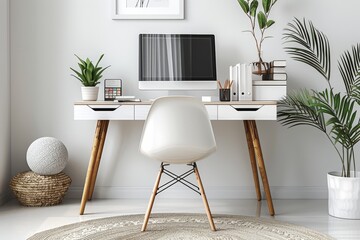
x,y
177,57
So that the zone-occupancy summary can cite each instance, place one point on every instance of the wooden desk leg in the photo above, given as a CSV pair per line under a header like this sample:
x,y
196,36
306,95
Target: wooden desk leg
x,y
104,127
90,170
252,159
261,164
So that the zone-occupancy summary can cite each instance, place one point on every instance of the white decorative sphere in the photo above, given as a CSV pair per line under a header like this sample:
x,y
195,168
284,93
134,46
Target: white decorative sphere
x,y
47,156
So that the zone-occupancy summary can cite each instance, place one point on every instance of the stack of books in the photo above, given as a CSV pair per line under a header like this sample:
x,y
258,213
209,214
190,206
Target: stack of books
x,y
273,84
271,87
277,71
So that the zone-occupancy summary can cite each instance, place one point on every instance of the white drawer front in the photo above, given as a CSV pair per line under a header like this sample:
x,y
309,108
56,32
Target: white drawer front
x,y
141,111
247,112
212,111
104,112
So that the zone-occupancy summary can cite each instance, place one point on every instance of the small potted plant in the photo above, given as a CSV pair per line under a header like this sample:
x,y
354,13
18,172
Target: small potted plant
x,y
250,8
89,75
334,114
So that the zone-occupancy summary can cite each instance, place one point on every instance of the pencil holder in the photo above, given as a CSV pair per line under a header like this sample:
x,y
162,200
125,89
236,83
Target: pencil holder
x,y
224,94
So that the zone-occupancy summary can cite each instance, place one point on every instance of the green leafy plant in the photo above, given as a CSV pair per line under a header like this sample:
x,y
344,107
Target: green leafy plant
x,y
250,8
332,113
89,75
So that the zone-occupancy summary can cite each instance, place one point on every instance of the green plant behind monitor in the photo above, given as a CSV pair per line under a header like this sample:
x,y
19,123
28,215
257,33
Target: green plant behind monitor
x,y
89,75
332,113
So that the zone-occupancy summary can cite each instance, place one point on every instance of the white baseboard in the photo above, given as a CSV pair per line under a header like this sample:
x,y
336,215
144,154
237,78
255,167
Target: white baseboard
x,y
211,192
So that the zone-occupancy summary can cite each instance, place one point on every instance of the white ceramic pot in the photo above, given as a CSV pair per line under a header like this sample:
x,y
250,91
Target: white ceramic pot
x,y
89,93
344,195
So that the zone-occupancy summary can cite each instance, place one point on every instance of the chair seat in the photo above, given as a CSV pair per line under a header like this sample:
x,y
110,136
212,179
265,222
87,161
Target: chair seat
x,y
179,154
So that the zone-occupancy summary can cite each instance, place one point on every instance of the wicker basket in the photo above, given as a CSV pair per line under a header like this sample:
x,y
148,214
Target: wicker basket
x,y
35,190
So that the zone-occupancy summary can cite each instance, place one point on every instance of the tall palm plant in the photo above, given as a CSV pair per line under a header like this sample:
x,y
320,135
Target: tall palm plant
x,y
332,113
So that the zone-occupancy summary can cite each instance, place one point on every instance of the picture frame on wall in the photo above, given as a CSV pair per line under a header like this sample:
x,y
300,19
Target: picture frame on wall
x,y
148,9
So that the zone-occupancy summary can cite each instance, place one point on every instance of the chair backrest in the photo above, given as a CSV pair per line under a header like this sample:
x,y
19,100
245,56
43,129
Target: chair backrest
x,y
177,130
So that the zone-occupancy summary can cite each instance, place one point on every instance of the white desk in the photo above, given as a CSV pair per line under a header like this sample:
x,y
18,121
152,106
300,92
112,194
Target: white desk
x,y
248,111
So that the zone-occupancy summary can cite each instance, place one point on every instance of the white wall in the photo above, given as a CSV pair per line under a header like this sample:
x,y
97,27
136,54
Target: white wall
x,y
46,33
4,101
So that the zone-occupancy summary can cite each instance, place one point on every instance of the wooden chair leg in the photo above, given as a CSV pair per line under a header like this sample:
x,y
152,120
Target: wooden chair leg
x,y
90,170
206,204
252,160
152,199
261,164
104,128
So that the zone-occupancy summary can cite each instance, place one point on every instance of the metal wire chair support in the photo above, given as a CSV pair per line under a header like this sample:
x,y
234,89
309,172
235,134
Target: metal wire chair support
x,y
178,179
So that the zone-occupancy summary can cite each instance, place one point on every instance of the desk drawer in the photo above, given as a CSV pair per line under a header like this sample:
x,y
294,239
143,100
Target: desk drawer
x,y
212,111
247,112
141,111
104,112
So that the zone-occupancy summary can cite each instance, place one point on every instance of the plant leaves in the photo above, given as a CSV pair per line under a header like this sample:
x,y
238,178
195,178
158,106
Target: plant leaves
x,y
102,55
341,116
311,46
261,20
82,61
89,74
269,23
77,78
266,5
349,67
98,73
298,108
253,7
244,5
78,74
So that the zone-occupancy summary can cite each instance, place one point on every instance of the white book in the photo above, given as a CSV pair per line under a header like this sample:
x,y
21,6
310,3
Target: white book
x,y
125,97
127,100
248,82
278,63
240,68
245,82
234,86
277,70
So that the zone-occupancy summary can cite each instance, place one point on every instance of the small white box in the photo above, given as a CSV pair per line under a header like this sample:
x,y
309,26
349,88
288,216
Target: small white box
x,y
206,98
268,93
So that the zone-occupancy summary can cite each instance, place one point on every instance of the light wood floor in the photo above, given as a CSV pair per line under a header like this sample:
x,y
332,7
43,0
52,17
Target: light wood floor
x,y
17,222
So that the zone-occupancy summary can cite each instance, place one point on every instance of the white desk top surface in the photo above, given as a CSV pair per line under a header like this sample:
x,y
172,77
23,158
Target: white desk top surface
x,y
148,102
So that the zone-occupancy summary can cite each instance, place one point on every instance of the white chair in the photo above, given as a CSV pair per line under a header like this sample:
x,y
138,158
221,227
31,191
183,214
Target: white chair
x,y
178,131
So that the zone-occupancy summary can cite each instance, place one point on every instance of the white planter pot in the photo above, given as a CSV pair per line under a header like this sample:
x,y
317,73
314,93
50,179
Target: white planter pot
x,y
344,195
89,93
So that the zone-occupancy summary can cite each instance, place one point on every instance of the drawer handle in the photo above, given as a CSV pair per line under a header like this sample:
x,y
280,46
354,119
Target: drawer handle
x,y
246,109
104,109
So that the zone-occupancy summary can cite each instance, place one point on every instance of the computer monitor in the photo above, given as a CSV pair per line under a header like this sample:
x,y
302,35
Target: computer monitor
x,y
177,62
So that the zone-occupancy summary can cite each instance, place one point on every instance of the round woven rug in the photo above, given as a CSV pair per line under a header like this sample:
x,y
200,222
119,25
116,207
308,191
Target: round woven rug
x,y
181,226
